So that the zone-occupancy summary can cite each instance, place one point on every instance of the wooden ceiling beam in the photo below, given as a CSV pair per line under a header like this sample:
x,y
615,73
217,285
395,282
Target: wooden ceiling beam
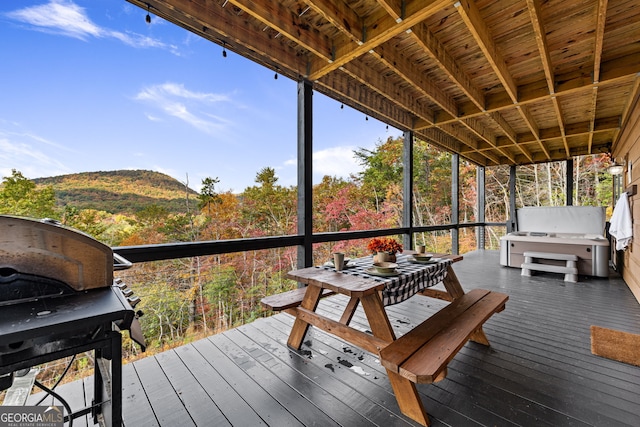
x,y
509,132
533,127
619,71
447,64
378,83
255,45
441,139
541,41
481,132
543,49
413,76
468,141
597,51
446,142
604,125
340,15
408,71
597,58
558,109
471,16
340,87
288,23
378,29
394,8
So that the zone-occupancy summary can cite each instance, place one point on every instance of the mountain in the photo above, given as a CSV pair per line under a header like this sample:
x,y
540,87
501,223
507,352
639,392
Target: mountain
x,y
123,191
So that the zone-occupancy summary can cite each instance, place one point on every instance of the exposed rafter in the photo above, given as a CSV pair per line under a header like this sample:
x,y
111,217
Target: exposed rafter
x,y
499,83
481,34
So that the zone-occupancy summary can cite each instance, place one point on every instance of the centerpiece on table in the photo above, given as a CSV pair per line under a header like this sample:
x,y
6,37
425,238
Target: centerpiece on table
x,y
384,249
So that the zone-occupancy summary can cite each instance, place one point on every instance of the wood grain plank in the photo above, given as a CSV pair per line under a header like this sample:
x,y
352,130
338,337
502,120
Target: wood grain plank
x,y
232,405
338,282
202,409
167,407
136,409
258,398
337,399
429,360
394,356
241,350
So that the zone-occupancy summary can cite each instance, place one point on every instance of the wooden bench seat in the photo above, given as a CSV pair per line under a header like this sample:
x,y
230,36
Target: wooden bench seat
x,y
422,354
289,299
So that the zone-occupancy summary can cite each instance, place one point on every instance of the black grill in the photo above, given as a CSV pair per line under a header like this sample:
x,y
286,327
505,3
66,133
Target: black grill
x,y
58,298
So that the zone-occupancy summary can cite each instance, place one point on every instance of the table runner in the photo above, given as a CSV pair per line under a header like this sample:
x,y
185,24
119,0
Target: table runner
x,y
413,277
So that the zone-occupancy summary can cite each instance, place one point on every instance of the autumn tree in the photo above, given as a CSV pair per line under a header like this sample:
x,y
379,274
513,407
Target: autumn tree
x,y
268,206
19,196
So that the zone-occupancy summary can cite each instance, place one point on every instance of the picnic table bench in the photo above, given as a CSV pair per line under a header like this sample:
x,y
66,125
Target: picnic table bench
x,y
419,356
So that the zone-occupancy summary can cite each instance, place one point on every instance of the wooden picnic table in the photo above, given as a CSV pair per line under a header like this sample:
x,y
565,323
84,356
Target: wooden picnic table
x,y
422,354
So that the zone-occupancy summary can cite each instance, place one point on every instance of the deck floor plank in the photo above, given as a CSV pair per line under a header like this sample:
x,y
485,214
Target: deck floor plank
x,y
226,398
538,371
239,349
344,404
167,407
260,401
350,371
200,406
502,411
136,409
337,350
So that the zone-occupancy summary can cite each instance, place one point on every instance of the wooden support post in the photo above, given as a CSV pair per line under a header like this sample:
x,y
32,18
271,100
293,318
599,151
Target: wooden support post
x,y
300,327
408,398
452,284
349,310
377,317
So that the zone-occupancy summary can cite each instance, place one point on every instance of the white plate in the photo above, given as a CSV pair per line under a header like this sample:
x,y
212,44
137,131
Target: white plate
x,y
431,261
372,271
330,264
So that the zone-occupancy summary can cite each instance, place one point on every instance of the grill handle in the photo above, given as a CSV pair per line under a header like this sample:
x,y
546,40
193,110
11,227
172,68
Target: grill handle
x,y
120,262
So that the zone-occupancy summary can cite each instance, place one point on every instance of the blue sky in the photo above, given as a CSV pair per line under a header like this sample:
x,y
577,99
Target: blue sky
x,y
88,85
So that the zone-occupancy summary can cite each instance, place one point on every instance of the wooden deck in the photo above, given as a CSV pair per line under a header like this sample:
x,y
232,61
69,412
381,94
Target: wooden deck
x,y
538,372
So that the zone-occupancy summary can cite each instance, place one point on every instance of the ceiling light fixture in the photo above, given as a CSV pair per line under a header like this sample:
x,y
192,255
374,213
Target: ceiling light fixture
x,y
148,17
615,168
275,76
224,52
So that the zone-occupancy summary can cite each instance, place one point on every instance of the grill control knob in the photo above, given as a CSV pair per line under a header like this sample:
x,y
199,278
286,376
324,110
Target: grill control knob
x,y
133,301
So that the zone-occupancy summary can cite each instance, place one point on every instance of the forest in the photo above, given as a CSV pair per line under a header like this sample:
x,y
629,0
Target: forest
x,y
184,299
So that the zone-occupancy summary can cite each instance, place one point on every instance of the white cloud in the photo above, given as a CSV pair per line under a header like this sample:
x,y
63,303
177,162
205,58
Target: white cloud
x,y
66,18
27,158
336,161
194,108
60,16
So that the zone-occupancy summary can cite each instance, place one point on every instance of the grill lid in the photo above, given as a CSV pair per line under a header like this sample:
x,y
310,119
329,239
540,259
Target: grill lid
x,y
31,247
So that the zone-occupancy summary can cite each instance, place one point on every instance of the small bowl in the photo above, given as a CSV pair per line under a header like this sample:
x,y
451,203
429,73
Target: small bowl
x,y
385,267
423,257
